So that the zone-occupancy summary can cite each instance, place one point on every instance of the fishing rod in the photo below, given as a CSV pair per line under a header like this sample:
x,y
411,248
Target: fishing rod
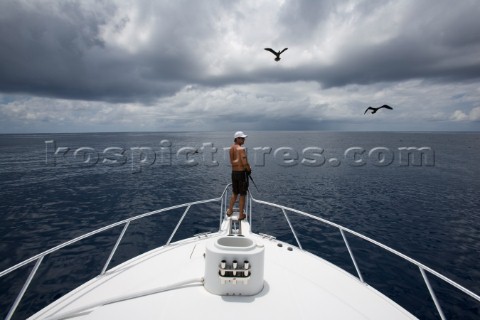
x,y
249,174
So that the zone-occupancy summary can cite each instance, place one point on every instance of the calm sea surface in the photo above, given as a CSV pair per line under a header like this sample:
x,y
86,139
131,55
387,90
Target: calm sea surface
x,y
54,187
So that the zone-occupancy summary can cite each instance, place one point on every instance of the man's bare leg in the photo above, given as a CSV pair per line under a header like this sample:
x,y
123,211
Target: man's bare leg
x,y
233,199
241,207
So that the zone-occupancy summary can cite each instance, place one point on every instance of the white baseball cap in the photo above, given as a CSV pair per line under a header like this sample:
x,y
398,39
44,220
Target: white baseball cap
x,y
240,134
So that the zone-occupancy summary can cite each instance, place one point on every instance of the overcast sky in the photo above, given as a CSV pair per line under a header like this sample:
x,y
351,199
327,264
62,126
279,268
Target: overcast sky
x,y
83,66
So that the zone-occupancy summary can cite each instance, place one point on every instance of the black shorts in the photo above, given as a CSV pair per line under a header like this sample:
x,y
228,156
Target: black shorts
x,y
240,182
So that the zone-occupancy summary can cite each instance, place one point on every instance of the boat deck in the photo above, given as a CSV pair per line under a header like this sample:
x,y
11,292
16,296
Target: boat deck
x,y
297,285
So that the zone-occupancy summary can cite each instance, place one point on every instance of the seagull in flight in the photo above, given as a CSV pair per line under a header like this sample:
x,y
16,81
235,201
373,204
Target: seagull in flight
x,y
376,109
277,54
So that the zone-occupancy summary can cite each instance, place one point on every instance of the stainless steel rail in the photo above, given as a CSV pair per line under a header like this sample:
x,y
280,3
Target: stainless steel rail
x,y
39,257
342,230
223,199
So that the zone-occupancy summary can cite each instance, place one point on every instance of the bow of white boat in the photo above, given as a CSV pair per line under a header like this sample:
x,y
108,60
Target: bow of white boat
x,y
232,273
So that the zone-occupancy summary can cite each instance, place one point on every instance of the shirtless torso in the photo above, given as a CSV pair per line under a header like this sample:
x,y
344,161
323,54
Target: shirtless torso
x,y
238,158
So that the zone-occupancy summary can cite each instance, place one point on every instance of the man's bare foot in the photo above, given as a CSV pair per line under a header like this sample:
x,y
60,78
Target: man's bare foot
x,y
242,216
229,212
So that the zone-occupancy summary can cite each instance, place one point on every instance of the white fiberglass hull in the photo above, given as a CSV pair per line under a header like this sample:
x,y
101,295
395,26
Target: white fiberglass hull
x,y
166,283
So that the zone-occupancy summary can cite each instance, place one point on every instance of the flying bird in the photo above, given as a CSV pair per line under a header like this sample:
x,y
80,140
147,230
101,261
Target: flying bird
x,y
376,109
277,54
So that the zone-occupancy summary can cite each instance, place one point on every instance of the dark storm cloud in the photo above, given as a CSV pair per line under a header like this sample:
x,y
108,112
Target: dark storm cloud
x,y
398,60
61,49
433,40
43,49
55,49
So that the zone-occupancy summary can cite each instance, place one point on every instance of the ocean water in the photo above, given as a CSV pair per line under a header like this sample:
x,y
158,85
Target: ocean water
x,y
54,187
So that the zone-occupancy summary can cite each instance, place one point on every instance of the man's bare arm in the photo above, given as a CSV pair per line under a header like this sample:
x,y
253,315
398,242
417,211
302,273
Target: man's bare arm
x,y
244,160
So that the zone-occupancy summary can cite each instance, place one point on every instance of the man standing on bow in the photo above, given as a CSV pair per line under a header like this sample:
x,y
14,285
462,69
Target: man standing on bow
x,y
240,172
